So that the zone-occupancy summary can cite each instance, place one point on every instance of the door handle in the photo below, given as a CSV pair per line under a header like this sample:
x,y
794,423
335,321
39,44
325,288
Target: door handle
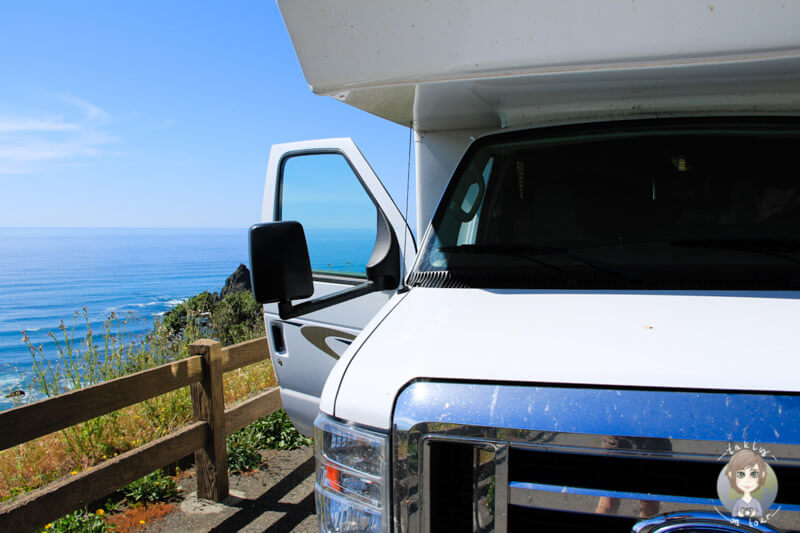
x,y
278,343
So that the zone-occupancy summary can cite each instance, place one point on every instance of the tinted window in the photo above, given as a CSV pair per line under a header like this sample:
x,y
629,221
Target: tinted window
x,y
692,205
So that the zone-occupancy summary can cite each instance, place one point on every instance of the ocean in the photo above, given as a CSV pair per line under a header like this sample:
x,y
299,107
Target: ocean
x,y
47,275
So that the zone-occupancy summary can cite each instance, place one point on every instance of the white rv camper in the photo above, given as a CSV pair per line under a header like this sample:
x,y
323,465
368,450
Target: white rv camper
x,y
603,301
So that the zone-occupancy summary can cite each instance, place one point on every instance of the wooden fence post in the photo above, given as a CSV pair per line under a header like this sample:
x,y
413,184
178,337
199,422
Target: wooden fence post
x,y
208,404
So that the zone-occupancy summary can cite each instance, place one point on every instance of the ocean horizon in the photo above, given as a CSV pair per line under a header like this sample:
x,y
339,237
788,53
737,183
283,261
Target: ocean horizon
x,y
50,275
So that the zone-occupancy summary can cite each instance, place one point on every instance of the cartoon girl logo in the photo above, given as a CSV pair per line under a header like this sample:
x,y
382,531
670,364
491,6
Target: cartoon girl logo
x,y
747,485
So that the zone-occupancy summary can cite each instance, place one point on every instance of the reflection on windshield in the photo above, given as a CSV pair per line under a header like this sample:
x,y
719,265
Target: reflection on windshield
x,y
691,205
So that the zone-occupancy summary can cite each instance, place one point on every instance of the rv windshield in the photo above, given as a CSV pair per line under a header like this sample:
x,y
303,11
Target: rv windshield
x,y
677,205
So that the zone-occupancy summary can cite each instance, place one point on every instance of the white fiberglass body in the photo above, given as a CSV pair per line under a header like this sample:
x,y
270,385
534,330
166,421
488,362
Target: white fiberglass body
x,y
378,56
624,169
454,70
615,339
684,198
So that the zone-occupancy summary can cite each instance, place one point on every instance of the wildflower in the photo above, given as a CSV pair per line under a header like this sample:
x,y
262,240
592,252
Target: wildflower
x,y
142,522
104,457
48,526
100,512
73,472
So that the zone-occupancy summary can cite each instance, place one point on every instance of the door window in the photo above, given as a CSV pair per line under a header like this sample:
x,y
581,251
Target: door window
x,y
322,192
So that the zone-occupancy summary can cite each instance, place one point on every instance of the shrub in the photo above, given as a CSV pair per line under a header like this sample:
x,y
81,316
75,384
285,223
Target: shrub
x,y
114,351
242,452
275,431
81,521
238,317
154,487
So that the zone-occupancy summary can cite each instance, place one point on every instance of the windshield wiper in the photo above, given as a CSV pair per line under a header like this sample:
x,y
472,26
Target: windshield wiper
x,y
530,252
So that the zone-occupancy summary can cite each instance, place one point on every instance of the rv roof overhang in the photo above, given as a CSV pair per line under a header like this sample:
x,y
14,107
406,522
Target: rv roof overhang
x,y
743,86
454,65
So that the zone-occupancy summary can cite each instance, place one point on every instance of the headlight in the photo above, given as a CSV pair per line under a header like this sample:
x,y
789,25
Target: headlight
x,y
352,477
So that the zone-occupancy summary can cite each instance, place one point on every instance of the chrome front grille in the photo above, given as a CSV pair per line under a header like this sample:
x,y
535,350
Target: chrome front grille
x,y
492,457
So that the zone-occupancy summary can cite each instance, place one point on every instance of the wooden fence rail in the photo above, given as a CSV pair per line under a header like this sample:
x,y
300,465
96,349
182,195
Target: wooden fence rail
x,y
205,436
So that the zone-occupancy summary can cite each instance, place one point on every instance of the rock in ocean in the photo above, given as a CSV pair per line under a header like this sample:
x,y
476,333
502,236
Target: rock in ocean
x,y
237,282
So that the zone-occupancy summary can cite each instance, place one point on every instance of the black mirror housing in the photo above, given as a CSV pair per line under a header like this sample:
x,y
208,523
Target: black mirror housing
x,y
280,269
383,266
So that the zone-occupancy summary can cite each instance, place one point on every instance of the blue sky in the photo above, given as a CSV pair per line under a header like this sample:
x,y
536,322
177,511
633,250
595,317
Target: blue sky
x,y
159,114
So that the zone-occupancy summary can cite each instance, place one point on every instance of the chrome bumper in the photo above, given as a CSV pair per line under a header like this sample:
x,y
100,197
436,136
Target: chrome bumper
x,y
514,442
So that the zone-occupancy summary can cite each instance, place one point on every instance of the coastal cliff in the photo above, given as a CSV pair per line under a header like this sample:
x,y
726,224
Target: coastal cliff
x,y
230,316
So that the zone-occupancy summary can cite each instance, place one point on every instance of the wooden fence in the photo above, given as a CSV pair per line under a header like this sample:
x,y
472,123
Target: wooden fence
x,y
205,436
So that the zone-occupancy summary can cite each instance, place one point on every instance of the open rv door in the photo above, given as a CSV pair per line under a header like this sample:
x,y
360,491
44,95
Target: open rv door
x,y
345,212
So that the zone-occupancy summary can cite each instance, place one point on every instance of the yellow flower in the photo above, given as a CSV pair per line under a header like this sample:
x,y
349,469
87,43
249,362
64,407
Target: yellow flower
x,y
100,512
104,457
142,522
73,472
48,526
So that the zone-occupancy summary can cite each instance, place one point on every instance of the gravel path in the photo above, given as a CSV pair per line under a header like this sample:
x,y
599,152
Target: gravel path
x,y
277,498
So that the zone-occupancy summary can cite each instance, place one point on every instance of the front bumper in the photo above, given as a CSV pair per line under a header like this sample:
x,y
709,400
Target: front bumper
x,y
506,457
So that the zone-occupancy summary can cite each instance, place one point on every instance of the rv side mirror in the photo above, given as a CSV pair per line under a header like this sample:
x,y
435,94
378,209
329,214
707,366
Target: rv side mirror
x,y
279,266
280,269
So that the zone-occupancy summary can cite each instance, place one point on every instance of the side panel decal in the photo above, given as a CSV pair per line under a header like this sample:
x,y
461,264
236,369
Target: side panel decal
x,y
318,336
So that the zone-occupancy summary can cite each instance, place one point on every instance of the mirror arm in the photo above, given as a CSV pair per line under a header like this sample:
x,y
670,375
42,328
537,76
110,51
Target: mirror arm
x,y
286,310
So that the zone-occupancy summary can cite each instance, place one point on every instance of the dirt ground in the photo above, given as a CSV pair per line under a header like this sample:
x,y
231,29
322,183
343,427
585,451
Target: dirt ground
x,y
277,498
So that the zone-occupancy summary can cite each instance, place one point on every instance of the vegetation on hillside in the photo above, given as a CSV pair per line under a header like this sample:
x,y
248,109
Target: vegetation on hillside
x,y
112,353
236,317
